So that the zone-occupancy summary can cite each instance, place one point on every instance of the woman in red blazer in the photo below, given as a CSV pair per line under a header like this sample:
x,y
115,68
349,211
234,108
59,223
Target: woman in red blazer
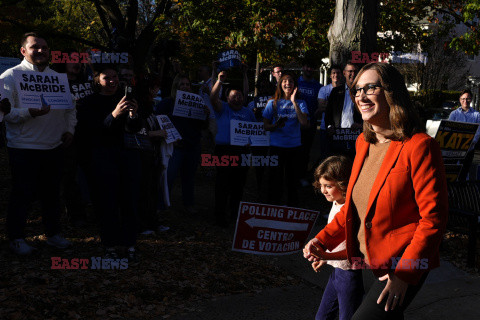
x,y
396,204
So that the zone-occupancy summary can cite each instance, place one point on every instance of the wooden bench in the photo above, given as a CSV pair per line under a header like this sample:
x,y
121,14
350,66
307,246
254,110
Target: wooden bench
x,y
464,213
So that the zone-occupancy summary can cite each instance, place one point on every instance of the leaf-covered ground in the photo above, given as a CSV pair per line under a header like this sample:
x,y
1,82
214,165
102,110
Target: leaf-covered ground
x,y
192,262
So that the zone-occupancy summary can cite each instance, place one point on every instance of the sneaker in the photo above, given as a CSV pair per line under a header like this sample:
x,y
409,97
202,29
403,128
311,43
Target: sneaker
x,y
20,247
110,253
147,233
161,228
58,241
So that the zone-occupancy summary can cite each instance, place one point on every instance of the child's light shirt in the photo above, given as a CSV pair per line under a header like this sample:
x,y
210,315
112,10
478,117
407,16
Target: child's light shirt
x,y
342,264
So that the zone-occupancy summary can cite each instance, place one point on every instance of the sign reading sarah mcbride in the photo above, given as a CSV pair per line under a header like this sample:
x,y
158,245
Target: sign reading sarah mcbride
x,y
39,88
252,133
228,59
172,133
189,105
273,230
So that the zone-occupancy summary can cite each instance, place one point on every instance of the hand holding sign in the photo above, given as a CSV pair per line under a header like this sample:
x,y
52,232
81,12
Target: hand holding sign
x,y
34,112
222,76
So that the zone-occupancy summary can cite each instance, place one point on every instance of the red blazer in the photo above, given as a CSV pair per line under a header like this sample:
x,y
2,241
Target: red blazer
x,y
407,210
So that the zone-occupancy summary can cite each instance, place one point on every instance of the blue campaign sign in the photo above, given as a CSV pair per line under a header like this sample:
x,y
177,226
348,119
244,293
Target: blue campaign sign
x,y
228,59
7,63
261,102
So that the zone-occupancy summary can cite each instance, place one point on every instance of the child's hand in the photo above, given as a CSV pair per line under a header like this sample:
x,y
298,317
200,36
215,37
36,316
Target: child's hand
x,y
316,265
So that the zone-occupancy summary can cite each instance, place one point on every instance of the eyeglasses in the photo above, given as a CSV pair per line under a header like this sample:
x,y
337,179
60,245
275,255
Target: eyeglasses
x,y
369,89
466,99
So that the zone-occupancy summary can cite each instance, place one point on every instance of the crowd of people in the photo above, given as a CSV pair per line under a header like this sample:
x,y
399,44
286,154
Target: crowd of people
x,y
109,149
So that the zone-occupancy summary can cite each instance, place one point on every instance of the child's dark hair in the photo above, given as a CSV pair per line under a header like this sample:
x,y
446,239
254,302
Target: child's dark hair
x,y
334,168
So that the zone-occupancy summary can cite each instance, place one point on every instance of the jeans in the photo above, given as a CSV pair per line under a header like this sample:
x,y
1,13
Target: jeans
x,y
343,294
229,182
35,174
117,173
185,160
288,170
149,189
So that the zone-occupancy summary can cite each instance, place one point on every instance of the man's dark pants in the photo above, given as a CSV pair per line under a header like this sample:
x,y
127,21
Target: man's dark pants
x,y
36,174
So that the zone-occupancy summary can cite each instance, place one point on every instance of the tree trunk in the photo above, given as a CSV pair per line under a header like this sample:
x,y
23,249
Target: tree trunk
x,y
354,28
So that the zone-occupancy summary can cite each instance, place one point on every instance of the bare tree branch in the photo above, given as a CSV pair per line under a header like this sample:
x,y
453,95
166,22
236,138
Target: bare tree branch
x,y
101,14
132,15
456,16
111,8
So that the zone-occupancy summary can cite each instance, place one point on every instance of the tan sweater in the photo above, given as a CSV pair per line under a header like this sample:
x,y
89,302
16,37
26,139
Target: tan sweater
x,y
363,186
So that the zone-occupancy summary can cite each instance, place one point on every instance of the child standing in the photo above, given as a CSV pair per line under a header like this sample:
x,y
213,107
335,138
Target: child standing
x,y
344,291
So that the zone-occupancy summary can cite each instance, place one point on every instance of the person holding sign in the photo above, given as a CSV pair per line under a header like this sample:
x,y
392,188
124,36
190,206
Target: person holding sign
x,y
341,114
264,93
35,140
231,178
396,205
104,119
186,153
148,141
467,114
283,116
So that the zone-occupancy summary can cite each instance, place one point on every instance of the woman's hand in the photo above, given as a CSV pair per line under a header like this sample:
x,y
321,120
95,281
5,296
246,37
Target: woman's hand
x,y
157,134
293,96
121,108
222,76
394,291
307,251
124,106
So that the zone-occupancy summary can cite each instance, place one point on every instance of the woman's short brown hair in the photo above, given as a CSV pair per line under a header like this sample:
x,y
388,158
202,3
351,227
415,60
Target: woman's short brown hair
x,y
334,168
404,119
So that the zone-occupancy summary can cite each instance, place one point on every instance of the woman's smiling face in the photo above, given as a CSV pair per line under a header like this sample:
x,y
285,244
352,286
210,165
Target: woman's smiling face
x,y
373,107
288,85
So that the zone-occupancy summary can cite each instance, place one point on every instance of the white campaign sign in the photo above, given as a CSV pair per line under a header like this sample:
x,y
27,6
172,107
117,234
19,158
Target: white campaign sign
x,y
39,88
252,133
172,132
189,105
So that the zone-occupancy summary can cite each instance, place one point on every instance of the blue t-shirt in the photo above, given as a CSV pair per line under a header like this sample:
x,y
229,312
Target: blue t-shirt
x,y
289,135
309,92
223,121
325,91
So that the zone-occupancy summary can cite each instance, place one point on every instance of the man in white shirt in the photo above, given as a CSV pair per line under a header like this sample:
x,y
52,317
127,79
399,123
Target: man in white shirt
x,y
34,141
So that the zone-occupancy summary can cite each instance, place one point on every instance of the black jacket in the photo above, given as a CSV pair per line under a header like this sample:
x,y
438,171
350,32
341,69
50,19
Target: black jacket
x,y
333,112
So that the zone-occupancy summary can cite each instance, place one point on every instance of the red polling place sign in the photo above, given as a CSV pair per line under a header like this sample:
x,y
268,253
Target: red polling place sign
x,y
274,230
